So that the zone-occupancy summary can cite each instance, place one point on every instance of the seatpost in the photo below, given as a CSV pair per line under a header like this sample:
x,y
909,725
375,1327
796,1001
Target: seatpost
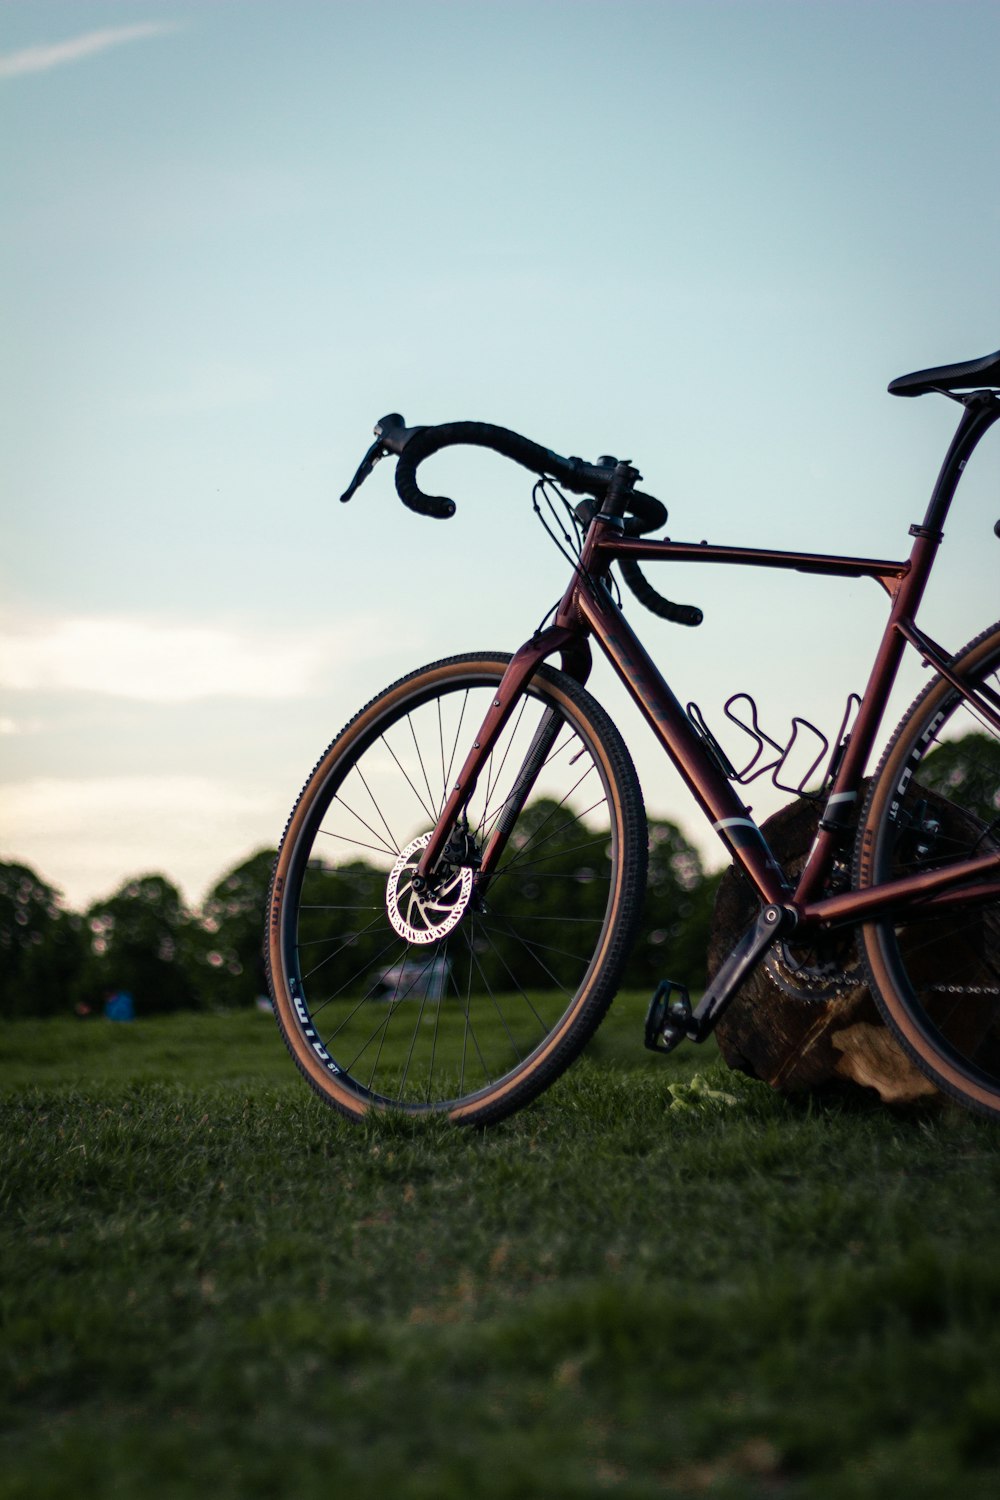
x,y
982,409
623,482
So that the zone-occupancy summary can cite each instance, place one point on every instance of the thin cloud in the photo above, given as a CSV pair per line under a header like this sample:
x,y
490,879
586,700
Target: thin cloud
x,y
86,836
156,663
42,59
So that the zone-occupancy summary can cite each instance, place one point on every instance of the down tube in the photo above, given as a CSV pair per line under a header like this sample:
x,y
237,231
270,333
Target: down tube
x,y
668,721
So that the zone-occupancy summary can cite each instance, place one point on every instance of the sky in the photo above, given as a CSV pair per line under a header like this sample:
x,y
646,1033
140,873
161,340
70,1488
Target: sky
x,y
700,235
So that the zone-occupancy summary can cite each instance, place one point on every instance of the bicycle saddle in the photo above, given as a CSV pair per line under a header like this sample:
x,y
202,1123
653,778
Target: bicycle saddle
x,y
972,374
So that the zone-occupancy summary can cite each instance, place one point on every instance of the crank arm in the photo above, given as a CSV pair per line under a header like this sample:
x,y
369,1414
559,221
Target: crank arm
x,y
772,923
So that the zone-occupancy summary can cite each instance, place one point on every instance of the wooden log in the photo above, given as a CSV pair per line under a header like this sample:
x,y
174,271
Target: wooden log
x,y
805,1020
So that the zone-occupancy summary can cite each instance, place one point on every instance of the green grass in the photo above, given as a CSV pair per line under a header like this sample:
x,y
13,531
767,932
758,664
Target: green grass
x,y
661,1279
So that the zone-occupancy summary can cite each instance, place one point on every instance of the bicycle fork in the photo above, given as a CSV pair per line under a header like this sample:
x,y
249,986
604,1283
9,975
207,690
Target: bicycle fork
x,y
522,665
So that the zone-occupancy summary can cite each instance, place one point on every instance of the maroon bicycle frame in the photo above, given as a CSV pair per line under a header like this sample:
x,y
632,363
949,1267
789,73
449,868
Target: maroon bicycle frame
x,y
589,609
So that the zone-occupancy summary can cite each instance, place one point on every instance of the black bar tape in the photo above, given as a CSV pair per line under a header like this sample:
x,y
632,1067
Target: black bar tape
x,y
575,475
677,614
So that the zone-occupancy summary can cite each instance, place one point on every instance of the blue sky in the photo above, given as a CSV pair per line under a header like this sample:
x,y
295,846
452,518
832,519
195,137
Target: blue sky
x,y
703,235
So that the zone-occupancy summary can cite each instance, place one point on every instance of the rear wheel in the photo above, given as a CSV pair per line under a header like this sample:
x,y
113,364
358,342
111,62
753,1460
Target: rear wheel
x,y
467,998
935,800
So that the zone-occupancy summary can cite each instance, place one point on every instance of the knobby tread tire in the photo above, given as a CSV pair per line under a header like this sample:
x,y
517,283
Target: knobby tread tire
x,y
588,1006
886,971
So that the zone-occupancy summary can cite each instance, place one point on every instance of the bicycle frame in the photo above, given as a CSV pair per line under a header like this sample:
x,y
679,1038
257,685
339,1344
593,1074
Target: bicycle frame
x,y
588,609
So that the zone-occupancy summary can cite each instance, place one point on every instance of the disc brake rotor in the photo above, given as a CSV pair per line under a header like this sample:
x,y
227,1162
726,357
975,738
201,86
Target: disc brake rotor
x,y
427,915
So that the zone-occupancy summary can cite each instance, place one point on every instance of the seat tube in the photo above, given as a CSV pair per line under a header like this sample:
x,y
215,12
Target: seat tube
x,y
841,811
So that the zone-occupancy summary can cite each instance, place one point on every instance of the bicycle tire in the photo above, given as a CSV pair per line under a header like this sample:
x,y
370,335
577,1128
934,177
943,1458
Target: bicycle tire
x,y
935,798
474,1021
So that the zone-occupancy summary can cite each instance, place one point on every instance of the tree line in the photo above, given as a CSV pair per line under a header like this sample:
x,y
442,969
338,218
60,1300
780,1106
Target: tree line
x,y
145,940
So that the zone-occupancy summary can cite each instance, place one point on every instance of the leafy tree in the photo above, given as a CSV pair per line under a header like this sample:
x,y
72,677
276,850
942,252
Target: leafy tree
x,y
42,946
230,938
967,772
550,841
551,852
144,940
672,942
342,927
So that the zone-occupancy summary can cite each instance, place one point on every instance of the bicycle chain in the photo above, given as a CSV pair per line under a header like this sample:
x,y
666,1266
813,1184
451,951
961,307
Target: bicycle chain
x,y
811,983
827,985
964,989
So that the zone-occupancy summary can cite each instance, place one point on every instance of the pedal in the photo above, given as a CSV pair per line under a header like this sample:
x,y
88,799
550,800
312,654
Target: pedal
x,y
668,1017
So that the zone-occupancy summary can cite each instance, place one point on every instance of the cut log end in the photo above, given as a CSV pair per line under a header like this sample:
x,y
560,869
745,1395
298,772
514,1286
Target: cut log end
x,y
806,1019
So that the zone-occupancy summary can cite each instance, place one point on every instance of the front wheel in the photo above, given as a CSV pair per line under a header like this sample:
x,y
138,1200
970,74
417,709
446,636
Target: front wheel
x,y
470,997
935,799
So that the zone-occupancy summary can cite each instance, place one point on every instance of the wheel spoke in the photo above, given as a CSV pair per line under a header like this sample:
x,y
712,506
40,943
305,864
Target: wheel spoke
x,y
427,997
935,801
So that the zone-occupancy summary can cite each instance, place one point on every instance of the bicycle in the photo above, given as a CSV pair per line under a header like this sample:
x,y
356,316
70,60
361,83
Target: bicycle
x,y
458,885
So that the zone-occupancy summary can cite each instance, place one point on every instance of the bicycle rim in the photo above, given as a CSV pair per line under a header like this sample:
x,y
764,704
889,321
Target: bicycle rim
x,y
935,800
472,998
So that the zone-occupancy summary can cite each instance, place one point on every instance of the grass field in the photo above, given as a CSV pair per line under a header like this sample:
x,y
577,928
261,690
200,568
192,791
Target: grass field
x,y
659,1280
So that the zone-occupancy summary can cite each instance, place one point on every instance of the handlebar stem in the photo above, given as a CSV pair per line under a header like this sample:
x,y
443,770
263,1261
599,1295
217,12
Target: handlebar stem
x,y
623,482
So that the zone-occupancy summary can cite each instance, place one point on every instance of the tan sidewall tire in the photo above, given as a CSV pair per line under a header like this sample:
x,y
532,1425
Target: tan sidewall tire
x,y
589,1005
874,826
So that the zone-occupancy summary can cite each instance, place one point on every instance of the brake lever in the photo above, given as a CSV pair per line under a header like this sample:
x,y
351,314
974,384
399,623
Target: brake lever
x,y
391,436
367,464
